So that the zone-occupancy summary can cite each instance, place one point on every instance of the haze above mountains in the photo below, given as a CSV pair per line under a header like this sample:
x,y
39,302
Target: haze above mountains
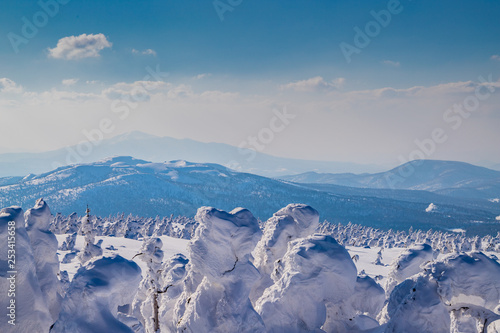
x,y
160,149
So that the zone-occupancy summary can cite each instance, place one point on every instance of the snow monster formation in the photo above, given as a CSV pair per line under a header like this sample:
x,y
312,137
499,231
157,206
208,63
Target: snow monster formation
x,y
297,282
220,274
459,293
288,224
94,295
23,300
44,246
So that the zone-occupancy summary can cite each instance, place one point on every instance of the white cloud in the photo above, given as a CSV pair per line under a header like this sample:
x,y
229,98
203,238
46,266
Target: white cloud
x,y
216,96
138,91
145,52
314,84
498,218
391,63
495,57
79,47
201,76
69,82
440,90
9,86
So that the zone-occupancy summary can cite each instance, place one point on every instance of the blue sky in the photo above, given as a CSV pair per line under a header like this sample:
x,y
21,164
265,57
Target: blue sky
x,y
255,53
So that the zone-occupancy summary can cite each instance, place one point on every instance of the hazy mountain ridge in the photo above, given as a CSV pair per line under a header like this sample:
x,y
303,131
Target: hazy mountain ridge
x,y
457,179
128,185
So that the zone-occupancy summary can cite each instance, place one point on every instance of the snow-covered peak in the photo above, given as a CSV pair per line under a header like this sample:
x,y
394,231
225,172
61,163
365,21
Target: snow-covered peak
x,y
118,161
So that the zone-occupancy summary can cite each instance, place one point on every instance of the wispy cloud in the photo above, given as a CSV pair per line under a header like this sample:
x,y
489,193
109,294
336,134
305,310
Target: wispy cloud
x,y
495,57
69,82
201,76
314,84
79,47
145,52
9,86
391,63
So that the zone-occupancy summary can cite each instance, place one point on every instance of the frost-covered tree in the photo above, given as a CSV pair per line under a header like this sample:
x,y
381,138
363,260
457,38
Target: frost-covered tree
x,y
89,250
146,304
378,260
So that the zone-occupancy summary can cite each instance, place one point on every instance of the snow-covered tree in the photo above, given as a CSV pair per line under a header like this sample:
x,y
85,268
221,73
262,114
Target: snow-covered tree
x,y
89,250
146,304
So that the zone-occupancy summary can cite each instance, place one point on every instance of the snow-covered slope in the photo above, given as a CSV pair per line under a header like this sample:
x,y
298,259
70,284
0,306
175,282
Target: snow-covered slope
x,y
128,185
160,149
451,178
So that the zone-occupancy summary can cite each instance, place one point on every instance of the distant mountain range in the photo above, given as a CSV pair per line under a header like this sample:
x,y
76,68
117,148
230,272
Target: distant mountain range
x,y
128,185
454,179
161,149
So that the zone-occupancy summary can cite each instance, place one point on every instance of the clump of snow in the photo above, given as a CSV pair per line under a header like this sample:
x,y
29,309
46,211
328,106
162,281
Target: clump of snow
x,y
94,295
458,230
431,208
44,246
31,313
